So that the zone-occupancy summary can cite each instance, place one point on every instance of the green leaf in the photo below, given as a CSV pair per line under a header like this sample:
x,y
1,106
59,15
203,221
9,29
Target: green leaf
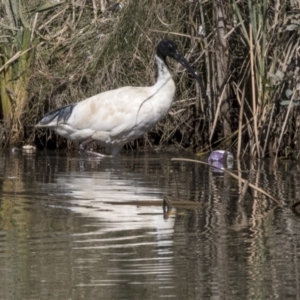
x,y
8,27
24,22
292,27
288,93
5,36
241,20
287,102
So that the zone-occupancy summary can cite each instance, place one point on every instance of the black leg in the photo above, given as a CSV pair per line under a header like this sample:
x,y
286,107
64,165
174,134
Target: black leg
x,y
84,144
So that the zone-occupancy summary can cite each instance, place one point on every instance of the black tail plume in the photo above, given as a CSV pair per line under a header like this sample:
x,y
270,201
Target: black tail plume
x,y
60,115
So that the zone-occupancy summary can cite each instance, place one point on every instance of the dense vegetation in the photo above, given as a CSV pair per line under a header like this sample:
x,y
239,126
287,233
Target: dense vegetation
x,y
247,52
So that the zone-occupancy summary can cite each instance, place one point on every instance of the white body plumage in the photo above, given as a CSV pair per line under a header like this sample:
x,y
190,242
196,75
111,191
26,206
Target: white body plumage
x,y
115,117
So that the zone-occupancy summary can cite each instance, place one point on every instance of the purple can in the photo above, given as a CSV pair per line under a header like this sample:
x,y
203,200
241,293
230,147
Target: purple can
x,y
220,159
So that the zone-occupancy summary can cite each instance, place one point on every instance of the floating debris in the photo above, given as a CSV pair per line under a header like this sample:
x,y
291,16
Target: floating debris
x,y
220,159
14,150
29,148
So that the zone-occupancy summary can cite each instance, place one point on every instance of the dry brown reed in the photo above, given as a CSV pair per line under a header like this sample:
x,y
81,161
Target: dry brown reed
x,y
247,54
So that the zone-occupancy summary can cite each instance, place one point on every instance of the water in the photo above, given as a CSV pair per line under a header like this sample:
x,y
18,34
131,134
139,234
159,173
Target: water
x,y
79,228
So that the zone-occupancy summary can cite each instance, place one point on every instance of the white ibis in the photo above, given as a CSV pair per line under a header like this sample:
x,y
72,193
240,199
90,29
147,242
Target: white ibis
x,y
116,117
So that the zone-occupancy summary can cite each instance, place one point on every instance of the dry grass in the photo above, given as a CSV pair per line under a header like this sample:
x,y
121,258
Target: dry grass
x,y
247,59
116,50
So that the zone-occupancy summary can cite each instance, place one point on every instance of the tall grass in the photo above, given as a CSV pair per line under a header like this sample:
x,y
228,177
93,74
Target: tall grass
x,y
16,46
271,49
246,54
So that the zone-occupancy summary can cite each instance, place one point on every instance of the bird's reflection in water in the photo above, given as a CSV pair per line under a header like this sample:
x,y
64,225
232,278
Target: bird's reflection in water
x,y
118,201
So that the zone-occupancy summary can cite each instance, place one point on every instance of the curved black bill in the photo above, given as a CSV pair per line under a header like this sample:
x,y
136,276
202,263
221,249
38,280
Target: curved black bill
x,y
186,64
